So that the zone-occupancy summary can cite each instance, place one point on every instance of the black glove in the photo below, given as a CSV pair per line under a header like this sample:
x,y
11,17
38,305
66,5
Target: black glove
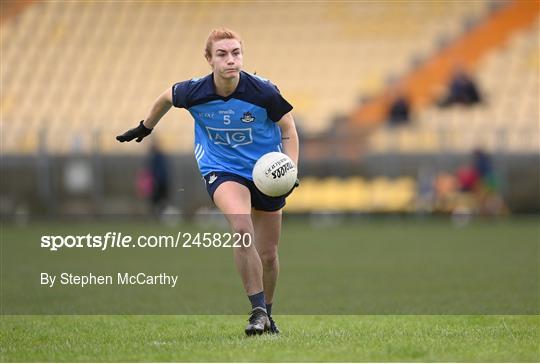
x,y
139,132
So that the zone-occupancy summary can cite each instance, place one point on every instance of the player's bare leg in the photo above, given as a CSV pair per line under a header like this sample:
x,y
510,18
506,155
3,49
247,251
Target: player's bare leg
x,y
267,225
234,200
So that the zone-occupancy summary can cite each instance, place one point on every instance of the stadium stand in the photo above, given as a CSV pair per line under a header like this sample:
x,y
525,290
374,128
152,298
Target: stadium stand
x,y
79,72
506,122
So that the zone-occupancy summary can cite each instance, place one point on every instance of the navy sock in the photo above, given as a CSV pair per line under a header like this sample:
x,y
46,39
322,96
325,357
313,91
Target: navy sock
x,y
257,300
269,309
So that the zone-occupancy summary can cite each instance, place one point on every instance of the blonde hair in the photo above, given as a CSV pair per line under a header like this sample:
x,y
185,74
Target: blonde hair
x,y
219,34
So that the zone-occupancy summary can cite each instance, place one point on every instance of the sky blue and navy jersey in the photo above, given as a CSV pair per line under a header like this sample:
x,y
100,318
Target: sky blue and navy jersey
x,y
232,132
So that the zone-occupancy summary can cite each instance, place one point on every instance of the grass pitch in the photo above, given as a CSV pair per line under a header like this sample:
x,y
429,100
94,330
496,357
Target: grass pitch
x,y
315,259
304,338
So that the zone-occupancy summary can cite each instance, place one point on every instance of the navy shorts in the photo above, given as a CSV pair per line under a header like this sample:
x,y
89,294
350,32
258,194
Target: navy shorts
x,y
259,201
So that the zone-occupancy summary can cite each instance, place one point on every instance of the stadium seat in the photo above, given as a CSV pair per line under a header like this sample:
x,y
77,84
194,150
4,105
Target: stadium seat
x,y
109,71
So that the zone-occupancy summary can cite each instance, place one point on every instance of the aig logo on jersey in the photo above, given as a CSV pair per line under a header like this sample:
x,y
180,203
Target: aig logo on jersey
x,y
247,117
232,137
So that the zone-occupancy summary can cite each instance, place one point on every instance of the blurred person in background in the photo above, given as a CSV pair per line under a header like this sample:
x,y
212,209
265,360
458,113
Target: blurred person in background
x,y
152,180
158,166
483,166
446,189
399,110
462,90
487,190
468,178
479,185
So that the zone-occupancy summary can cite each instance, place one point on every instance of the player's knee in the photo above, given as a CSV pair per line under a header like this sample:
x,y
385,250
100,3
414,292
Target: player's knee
x,y
242,230
269,258
241,224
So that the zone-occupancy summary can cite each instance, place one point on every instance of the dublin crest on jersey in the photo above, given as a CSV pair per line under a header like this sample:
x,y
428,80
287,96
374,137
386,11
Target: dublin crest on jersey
x,y
247,117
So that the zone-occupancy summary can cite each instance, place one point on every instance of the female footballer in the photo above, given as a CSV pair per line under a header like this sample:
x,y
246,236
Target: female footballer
x,y
238,118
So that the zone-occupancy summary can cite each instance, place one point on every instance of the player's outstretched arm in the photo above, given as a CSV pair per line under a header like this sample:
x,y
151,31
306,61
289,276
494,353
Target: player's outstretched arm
x,y
160,108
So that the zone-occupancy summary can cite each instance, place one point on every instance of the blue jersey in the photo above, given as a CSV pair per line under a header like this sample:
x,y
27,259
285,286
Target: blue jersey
x,y
233,132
